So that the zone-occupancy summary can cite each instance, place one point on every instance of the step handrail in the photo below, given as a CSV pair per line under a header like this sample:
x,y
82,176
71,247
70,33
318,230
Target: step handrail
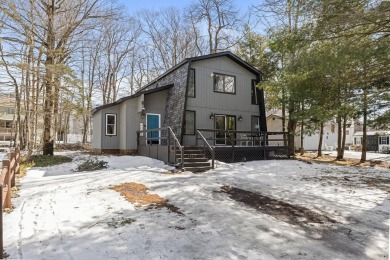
x,y
177,143
205,143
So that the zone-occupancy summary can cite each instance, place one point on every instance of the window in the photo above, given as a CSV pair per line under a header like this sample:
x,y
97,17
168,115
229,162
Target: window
x,y
225,123
384,140
110,124
189,123
255,123
8,124
224,83
191,84
347,132
358,140
10,110
254,93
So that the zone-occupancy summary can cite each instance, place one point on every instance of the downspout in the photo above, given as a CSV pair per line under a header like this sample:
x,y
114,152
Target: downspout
x,y
261,102
185,102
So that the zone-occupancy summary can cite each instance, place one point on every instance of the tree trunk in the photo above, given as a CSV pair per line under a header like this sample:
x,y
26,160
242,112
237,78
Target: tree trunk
x,y
339,137
48,148
302,129
319,149
344,135
363,157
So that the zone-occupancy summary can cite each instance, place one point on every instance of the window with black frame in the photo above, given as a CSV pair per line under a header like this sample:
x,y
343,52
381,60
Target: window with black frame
x,y
189,123
191,84
254,93
224,83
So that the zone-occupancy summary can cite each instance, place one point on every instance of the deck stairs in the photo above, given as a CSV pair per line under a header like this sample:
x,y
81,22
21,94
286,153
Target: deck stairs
x,y
194,159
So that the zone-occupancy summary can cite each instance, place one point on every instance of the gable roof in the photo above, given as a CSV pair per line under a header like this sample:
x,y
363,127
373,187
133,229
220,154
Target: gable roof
x,y
231,56
372,133
228,54
137,94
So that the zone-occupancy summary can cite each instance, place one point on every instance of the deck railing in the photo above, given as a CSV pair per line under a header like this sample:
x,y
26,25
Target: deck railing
x,y
176,144
235,145
165,138
208,146
9,170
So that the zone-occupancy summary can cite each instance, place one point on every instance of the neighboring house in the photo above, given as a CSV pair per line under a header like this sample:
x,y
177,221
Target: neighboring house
x,y
7,112
310,141
72,130
216,91
377,141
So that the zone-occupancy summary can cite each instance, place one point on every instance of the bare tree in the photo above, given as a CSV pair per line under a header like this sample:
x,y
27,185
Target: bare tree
x,y
115,44
220,18
168,36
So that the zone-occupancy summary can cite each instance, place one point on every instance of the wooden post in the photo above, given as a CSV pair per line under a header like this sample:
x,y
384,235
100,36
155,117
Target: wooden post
x,y
1,221
7,183
12,168
17,151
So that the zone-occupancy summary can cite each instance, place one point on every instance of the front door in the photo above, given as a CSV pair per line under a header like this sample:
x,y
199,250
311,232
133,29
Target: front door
x,y
224,122
153,122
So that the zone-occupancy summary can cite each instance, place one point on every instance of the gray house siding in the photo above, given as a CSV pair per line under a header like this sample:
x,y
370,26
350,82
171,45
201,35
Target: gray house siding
x,y
155,103
110,142
207,101
133,118
122,129
97,131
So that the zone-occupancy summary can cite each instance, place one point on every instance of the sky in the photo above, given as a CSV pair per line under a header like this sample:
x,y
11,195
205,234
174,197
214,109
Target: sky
x,y
136,5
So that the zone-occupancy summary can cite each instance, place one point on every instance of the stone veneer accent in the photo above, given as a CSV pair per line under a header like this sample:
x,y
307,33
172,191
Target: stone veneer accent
x,y
174,109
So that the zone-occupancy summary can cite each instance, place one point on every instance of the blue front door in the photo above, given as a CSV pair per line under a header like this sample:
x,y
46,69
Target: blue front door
x,y
153,122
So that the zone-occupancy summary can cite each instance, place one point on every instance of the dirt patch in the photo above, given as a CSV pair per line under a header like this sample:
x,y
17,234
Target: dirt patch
x,y
296,215
137,194
312,157
172,172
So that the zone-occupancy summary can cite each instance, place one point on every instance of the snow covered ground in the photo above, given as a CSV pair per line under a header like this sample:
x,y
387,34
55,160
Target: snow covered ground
x,y
370,156
62,214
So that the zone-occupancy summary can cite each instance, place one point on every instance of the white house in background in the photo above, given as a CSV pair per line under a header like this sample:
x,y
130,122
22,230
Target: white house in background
x,y
74,131
310,141
377,141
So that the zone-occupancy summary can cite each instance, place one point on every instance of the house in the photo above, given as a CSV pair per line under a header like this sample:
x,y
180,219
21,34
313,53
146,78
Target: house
x,y
214,94
310,140
377,141
7,111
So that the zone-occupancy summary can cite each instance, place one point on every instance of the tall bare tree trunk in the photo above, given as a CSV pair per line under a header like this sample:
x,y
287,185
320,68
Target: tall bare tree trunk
x,y
48,148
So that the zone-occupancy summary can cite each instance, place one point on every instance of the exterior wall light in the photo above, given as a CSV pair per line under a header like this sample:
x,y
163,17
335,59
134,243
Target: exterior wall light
x,y
239,118
212,116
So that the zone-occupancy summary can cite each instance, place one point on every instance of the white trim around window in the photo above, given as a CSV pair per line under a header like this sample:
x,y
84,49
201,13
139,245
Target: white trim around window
x,y
110,124
383,140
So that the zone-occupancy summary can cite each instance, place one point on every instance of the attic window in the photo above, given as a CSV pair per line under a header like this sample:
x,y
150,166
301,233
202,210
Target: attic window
x,y
224,83
110,124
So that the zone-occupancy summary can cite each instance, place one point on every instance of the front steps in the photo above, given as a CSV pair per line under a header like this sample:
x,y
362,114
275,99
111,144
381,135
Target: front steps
x,y
194,159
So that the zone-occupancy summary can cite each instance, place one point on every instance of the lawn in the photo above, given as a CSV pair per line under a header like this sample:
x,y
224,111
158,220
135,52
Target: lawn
x,y
254,210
